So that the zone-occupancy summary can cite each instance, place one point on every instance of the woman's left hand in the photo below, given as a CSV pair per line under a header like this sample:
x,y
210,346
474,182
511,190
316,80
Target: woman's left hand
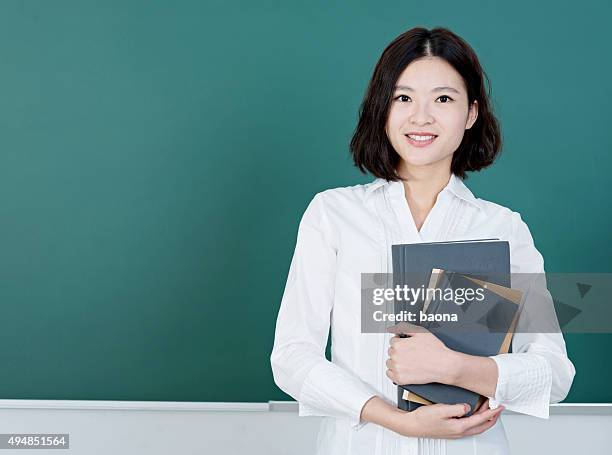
x,y
419,359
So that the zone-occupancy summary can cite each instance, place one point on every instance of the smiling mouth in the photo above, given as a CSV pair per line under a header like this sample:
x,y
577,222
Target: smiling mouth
x,y
420,140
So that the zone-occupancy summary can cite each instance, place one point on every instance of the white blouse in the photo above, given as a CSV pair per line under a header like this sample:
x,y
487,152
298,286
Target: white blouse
x,y
347,231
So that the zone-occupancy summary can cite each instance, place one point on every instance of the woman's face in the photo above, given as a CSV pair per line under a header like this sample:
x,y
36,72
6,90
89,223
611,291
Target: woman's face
x,y
430,98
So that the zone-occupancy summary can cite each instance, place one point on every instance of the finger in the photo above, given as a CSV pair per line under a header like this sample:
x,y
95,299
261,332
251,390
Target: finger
x,y
454,410
390,375
482,427
483,407
478,419
474,423
397,339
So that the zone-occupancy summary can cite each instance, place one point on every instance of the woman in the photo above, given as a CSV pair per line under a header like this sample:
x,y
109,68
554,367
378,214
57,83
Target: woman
x,y
425,121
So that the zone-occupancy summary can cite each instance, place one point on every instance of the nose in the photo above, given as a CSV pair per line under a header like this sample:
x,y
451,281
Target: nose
x,y
420,114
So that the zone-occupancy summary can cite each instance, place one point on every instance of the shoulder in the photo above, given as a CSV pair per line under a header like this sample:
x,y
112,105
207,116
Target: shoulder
x,y
352,194
335,209
338,199
345,201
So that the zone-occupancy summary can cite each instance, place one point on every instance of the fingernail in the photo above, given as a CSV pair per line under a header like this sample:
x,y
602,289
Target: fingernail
x,y
467,407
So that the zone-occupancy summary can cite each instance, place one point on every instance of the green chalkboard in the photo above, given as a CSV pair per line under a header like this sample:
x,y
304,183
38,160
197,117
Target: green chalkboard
x,y
156,157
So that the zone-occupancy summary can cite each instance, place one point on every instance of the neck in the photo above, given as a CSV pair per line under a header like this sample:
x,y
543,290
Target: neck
x,y
422,184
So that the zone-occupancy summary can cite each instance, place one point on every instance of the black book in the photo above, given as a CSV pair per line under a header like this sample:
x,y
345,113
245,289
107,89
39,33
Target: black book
x,y
484,259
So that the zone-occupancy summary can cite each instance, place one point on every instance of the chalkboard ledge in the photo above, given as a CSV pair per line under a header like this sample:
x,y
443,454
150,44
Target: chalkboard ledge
x,y
270,406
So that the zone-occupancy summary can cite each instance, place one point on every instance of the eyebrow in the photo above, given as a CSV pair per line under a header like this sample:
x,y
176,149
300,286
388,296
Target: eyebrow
x,y
437,89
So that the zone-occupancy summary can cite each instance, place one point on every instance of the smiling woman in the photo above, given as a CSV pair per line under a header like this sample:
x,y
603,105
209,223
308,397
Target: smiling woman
x,y
426,84
424,123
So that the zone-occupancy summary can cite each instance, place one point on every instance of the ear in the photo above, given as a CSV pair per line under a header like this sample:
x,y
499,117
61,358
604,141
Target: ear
x,y
472,115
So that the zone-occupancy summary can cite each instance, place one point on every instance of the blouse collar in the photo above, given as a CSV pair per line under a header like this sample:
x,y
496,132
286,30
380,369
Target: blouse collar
x,y
455,186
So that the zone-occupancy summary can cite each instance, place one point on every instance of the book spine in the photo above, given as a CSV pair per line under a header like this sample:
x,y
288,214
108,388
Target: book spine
x,y
406,405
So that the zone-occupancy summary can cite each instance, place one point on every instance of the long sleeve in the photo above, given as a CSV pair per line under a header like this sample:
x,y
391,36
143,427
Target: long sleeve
x,y
538,371
298,360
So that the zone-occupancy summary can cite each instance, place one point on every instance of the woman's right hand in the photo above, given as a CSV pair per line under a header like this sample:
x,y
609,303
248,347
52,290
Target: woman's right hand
x,y
445,421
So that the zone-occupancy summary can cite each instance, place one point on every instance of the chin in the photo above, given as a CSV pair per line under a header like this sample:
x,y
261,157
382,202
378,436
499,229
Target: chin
x,y
419,160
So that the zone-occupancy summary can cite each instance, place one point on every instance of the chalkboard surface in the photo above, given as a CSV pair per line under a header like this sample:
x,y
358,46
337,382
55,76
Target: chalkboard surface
x,y
156,157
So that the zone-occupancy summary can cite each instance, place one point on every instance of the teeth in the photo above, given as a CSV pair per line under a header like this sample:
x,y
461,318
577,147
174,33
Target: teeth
x,y
420,138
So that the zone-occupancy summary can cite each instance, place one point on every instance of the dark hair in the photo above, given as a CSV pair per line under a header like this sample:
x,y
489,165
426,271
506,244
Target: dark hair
x,y
370,147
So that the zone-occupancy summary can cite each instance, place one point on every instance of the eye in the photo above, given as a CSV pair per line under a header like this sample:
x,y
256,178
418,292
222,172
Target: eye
x,y
397,98
445,96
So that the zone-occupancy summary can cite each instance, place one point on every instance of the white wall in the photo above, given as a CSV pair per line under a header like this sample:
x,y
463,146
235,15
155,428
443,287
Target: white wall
x,y
258,428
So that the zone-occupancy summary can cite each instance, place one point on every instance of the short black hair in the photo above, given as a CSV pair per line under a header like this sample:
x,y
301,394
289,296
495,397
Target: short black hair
x,y
370,146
